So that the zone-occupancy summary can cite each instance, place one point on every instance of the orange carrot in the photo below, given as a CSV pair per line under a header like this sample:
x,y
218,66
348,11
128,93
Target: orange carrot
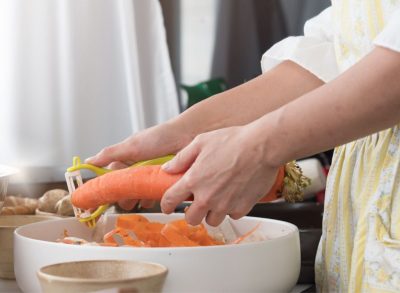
x,y
276,189
155,234
145,182
176,237
125,237
130,221
197,234
243,237
138,231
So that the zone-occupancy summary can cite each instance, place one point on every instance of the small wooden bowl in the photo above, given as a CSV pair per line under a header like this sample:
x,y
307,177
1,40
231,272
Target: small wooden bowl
x,y
89,276
5,174
7,226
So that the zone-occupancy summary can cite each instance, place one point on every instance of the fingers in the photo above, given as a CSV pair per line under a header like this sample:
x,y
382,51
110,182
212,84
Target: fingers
x,y
214,218
236,215
200,208
117,165
121,152
174,196
214,212
145,203
127,204
240,210
183,160
181,190
195,214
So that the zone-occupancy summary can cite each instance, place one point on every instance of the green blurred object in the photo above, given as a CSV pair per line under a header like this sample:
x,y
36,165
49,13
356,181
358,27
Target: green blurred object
x,y
204,90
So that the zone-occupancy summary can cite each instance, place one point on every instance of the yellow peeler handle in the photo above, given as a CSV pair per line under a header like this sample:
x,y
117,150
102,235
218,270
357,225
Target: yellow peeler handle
x,y
77,165
156,161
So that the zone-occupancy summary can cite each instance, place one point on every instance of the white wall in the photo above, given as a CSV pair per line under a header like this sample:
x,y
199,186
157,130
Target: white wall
x,y
198,26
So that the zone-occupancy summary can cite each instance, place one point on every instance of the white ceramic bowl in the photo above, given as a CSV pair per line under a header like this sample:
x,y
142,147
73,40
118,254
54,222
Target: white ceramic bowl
x,y
267,266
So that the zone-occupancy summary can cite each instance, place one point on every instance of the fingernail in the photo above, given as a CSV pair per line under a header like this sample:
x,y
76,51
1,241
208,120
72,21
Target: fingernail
x,y
165,210
166,166
90,159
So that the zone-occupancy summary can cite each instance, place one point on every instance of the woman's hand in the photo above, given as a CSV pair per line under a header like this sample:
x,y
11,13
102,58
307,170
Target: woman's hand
x,y
225,171
157,141
164,139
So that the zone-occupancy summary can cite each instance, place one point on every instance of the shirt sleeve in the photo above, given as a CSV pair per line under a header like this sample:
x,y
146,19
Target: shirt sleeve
x,y
314,51
389,37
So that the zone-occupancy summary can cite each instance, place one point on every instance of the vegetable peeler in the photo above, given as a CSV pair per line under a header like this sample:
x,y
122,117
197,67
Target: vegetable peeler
x,y
73,178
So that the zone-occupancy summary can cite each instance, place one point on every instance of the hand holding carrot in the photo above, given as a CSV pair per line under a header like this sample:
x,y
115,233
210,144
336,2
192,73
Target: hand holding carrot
x,y
226,172
157,141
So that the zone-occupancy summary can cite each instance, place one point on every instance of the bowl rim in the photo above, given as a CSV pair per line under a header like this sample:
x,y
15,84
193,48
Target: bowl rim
x,y
293,229
54,278
44,217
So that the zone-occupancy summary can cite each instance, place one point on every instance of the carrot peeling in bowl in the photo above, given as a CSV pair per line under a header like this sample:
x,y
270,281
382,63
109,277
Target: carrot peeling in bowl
x,y
247,235
124,238
155,234
137,231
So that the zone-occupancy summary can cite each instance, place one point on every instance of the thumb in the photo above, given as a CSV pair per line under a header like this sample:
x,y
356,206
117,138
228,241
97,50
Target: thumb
x,y
182,161
121,152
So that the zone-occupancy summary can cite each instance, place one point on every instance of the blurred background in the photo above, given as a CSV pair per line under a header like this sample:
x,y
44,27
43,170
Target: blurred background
x,y
226,38
77,76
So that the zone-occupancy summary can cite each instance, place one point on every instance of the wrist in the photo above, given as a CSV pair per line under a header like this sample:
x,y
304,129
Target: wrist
x,y
270,137
277,153
183,134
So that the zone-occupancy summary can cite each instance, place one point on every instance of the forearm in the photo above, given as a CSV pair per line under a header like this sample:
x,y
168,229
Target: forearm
x,y
249,101
363,100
